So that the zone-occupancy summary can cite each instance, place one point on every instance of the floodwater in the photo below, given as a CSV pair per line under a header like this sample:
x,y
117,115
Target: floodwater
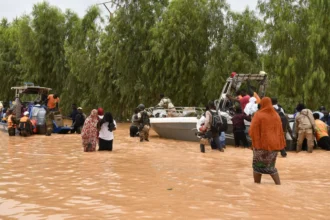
x,y
52,178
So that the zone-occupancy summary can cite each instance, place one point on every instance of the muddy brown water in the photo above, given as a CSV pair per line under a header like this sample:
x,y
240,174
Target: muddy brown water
x,y
52,178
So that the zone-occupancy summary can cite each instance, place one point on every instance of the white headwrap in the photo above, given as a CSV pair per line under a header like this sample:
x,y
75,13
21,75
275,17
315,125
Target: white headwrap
x,y
251,107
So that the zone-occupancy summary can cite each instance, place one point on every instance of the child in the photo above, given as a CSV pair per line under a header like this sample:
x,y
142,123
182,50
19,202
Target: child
x,y
239,127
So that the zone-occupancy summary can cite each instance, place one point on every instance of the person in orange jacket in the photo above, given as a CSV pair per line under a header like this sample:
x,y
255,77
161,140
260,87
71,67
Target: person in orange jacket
x,y
11,123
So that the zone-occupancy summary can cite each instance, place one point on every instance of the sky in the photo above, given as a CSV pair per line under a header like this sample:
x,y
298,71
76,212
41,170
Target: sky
x,y
13,8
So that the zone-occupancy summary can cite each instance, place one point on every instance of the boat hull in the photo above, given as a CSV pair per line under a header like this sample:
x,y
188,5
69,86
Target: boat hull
x,y
178,128
3,127
185,128
182,128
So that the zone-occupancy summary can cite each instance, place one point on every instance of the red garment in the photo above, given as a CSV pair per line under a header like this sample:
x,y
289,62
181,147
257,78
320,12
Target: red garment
x,y
244,101
89,131
100,111
238,121
266,128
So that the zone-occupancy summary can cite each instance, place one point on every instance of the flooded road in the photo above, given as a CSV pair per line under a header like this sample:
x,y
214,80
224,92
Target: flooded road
x,y
52,178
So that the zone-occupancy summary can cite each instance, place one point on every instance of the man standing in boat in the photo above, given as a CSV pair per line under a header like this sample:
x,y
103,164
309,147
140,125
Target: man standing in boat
x,y
166,103
52,102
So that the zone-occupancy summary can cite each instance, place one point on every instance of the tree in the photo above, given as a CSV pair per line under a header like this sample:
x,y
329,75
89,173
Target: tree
x,y
125,41
81,52
41,43
179,49
10,68
235,51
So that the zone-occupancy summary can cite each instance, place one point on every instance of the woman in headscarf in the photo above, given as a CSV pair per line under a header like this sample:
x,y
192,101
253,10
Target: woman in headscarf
x,y
267,139
89,132
106,126
251,107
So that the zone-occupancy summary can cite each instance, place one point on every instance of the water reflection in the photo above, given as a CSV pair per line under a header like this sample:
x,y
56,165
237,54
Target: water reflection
x,y
51,178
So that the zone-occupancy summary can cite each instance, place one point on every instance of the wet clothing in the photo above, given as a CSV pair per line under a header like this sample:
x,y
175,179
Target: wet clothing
x,y
144,133
266,129
89,132
144,125
305,124
134,129
106,137
11,122
264,161
305,120
308,134
49,122
286,128
321,129
105,145
79,122
25,126
324,143
73,115
321,133
209,133
240,136
238,121
239,129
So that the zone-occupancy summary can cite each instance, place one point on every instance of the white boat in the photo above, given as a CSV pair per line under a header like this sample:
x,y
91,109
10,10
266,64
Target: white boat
x,y
184,127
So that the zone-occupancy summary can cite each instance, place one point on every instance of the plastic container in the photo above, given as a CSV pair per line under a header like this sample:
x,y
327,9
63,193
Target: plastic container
x,y
41,117
58,120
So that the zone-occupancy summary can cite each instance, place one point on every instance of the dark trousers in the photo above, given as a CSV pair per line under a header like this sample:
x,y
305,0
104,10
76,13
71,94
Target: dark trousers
x,y
105,145
324,143
240,136
215,141
133,131
283,152
76,129
11,131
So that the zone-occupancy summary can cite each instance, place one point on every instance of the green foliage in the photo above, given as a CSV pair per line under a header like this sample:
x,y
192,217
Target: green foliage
x,y
296,33
183,48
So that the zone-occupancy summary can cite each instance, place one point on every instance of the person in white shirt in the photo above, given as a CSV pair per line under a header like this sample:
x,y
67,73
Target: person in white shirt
x,y
251,107
106,127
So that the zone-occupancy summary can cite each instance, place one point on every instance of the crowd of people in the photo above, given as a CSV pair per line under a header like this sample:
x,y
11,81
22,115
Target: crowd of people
x,y
268,129
25,117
